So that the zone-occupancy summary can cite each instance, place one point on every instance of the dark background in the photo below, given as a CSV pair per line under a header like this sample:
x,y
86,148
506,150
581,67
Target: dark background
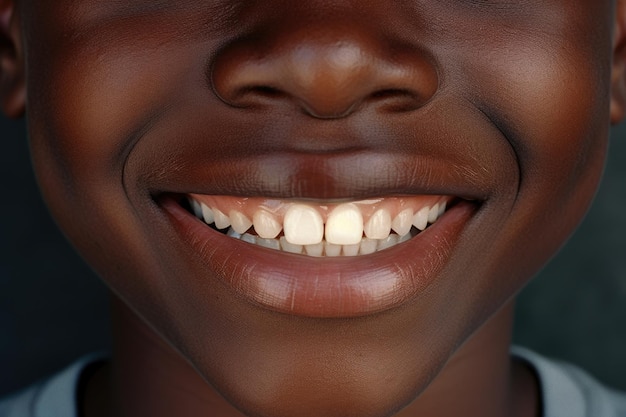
x,y
53,308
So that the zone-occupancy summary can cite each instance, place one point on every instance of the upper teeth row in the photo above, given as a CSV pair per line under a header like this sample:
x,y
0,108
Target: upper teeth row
x,y
302,224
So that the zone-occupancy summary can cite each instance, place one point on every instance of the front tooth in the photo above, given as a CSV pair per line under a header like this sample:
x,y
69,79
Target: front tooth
x,y
403,222
351,250
379,225
433,213
221,220
330,249
344,225
303,225
420,220
315,249
207,214
265,224
288,247
239,221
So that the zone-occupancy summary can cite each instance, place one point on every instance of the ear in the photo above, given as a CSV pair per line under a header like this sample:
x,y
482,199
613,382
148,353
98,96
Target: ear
x,y
618,79
12,82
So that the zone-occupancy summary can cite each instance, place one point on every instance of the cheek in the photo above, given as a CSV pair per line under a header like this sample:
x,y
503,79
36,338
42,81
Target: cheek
x,y
562,108
548,95
86,110
551,103
89,106
102,105
547,87
563,155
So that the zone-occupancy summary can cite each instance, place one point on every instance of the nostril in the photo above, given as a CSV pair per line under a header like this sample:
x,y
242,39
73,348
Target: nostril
x,y
251,95
266,91
384,94
396,100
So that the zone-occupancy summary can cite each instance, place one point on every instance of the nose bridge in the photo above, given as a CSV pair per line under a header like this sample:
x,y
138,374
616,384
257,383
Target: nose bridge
x,y
327,66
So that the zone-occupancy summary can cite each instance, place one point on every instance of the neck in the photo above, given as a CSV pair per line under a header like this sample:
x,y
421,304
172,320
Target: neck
x,y
148,377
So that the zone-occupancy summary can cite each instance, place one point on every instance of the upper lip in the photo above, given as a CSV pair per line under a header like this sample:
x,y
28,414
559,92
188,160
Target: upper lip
x,y
364,156
330,178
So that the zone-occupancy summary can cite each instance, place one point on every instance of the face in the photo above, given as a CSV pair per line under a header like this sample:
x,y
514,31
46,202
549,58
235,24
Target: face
x,y
321,128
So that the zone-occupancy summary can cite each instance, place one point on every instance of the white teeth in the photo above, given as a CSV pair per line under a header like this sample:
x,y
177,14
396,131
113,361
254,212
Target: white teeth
x,y
314,250
221,220
303,225
196,207
239,221
442,208
388,242
207,214
288,247
420,220
344,225
330,249
351,250
342,234
404,238
379,225
368,246
266,225
403,222
247,237
268,243
433,213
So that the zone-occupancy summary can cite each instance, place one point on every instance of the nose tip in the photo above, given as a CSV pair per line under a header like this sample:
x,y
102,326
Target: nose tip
x,y
327,73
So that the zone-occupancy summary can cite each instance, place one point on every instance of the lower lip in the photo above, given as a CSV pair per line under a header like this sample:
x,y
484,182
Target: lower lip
x,y
324,287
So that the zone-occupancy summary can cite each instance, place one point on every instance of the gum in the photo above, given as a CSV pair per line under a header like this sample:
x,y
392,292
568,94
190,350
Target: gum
x,y
249,205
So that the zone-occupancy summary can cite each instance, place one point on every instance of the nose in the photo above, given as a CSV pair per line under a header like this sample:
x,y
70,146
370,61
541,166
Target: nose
x,y
329,70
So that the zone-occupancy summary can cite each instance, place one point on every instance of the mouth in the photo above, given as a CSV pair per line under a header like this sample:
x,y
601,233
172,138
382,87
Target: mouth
x,y
354,228
320,259
345,234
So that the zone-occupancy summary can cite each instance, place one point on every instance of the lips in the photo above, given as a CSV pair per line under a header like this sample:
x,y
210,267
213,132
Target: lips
x,y
327,287
304,284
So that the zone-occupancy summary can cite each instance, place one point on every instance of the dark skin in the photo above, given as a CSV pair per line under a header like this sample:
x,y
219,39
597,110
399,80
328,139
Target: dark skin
x,y
504,105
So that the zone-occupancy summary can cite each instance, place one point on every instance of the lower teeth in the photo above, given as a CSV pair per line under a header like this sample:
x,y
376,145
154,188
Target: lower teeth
x,y
365,247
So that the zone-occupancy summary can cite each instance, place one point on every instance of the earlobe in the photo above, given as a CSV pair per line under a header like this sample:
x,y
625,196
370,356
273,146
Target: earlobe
x,y
618,76
12,82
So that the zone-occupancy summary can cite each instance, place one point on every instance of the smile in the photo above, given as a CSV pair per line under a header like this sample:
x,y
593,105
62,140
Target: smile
x,y
300,227
345,242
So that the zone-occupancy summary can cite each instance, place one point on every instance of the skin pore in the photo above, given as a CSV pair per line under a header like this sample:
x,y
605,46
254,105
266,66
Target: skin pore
x,y
134,105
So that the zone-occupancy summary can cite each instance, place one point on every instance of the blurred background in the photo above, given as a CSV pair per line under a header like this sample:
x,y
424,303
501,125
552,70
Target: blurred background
x,y
53,308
